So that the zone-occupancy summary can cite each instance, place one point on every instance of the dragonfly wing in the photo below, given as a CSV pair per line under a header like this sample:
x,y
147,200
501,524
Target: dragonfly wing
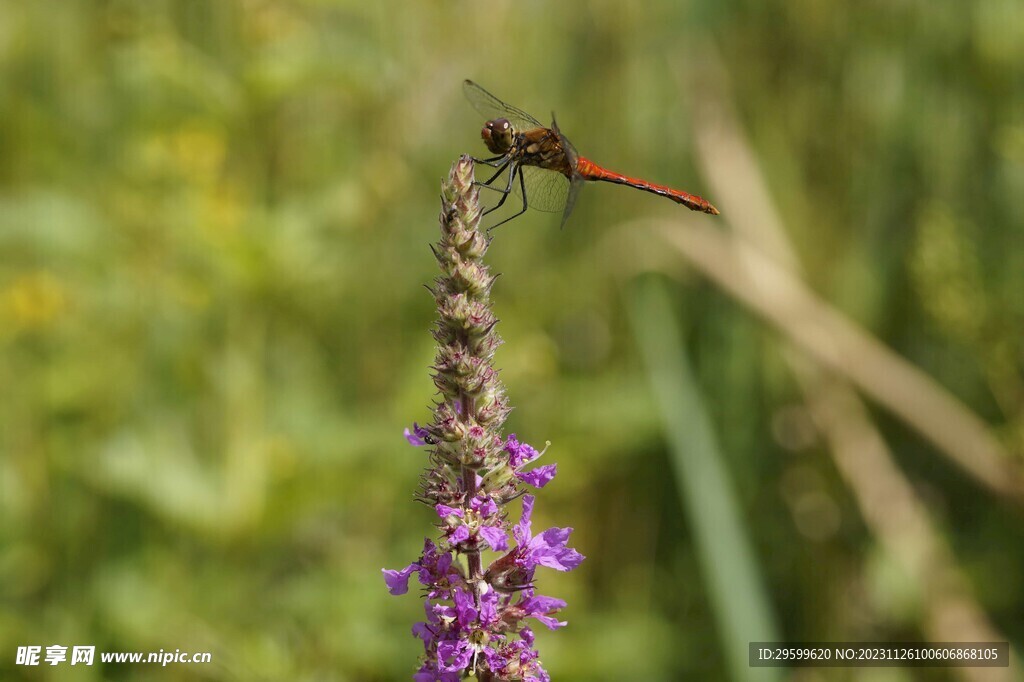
x,y
570,151
576,184
490,107
546,190
574,192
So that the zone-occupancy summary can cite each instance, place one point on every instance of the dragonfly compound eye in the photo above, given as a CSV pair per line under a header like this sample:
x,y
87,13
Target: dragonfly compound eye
x,y
498,135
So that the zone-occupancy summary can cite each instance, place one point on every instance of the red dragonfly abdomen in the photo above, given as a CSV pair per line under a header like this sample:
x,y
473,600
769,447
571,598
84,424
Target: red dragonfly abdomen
x,y
589,170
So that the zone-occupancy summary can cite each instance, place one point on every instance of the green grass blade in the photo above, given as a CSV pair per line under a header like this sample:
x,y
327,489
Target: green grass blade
x,y
728,564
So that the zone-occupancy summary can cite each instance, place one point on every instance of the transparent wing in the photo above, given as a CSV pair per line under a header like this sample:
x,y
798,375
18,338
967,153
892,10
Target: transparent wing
x,y
546,190
490,107
574,193
570,151
576,184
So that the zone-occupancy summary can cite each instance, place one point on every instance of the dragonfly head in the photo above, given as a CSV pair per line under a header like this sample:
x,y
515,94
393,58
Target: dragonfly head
x,y
498,135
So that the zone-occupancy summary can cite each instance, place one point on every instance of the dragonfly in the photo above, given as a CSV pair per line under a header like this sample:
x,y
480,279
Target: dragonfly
x,y
549,172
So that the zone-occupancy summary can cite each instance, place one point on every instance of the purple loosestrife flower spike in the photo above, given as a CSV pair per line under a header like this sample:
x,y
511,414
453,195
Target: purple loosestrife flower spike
x,y
477,619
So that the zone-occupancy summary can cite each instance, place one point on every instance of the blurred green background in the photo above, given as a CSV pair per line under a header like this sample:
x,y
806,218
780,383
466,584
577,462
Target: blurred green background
x,y
214,229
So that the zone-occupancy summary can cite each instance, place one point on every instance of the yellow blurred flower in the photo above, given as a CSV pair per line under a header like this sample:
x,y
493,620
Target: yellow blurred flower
x,y
33,300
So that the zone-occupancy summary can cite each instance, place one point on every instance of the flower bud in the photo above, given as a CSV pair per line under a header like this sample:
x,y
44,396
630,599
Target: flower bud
x,y
498,477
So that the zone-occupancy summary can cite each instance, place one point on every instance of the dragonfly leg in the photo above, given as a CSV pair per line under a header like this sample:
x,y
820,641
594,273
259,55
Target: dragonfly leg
x,y
487,183
494,161
522,190
513,170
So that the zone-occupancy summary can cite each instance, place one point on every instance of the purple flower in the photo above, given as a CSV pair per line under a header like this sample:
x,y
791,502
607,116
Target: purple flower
x,y
495,537
464,607
541,608
423,631
485,507
429,673
519,453
460,534
398,581
453,656
538,477
417,436
444,510
548,548
436,569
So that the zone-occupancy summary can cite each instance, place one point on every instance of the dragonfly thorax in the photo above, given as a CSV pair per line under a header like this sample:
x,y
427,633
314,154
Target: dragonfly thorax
x,y
498,135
